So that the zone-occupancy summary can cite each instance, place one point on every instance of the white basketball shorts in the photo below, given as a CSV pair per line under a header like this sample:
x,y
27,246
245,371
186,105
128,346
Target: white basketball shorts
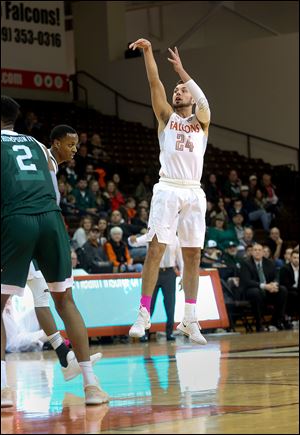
x,y
178,207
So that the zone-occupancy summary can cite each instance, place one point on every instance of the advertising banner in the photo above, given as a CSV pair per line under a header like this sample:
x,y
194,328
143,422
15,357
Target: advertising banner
x,y
33,45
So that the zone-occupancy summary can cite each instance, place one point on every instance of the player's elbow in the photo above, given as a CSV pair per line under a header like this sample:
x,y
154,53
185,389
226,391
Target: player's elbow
x,y
203,114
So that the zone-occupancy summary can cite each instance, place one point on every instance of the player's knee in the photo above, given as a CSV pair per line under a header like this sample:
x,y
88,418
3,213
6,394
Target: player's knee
x,y
156,252
60,304
62,300
191,255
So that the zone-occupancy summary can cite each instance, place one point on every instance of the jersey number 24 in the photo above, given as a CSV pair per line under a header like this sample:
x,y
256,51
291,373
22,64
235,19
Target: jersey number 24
x,y
180,145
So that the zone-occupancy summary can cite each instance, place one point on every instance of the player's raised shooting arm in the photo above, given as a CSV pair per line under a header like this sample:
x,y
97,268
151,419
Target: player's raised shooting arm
x,y
202,106
161,107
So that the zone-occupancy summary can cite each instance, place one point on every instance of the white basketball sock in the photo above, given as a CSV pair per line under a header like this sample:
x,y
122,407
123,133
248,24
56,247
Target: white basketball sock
x,y
55,340
89,377
189,311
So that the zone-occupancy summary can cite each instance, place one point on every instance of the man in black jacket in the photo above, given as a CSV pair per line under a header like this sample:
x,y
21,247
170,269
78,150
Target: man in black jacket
x,y
259,286
93,257
289,277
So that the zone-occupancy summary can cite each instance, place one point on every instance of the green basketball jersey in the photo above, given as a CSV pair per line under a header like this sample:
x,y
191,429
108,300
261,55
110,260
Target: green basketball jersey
x,y
26,184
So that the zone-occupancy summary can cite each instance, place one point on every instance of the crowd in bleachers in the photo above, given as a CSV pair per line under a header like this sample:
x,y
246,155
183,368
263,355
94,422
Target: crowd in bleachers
x,y
100,216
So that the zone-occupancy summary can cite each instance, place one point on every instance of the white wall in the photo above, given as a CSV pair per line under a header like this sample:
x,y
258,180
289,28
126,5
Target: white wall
x,y
213,23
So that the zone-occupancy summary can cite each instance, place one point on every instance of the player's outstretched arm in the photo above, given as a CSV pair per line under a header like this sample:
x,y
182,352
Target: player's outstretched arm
x,y
161,107
202,109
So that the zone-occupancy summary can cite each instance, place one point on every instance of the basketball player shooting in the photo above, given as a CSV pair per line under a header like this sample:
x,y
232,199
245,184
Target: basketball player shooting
x,y
178,203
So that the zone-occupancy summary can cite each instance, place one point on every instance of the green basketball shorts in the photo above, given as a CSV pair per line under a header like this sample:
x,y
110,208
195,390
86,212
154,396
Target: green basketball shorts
x,y
42,237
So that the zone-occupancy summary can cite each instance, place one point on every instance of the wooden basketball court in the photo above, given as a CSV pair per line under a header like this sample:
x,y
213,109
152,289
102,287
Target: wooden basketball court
x,y
245,383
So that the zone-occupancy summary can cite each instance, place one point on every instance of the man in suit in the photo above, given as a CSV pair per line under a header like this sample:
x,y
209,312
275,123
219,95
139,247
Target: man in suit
x,y
260,288
289,277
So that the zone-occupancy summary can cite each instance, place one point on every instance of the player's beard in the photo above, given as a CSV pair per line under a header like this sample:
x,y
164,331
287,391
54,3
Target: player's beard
x,y
182,105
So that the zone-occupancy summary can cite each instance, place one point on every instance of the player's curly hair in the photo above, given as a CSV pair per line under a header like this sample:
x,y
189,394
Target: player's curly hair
x,y
61,131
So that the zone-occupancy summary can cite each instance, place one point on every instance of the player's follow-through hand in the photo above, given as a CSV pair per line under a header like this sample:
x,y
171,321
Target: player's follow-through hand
x,y
175,60
140,43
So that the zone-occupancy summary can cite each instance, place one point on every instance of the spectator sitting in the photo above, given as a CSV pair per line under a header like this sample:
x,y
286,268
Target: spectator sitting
x,y
287,255
144,203
211,189
118,253
248,238
68,207
231,260
94,188
81,234
254,210
275,243
237,225
257,279
96,143
82,159
253,186
103,233
102,203
210,213
141,218
128,229
289,277
85,201
115,198
259,200
231,189
267,252
74,259
144,189
220,233
93,255
211,256
129,208
116,179
63,190
76,267
95,158
268,190
83,140
221,209
237,207
248,252
116,219
90,174
69,172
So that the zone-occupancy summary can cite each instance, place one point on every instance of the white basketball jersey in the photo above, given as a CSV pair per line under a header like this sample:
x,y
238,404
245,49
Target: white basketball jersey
x,y
182,147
